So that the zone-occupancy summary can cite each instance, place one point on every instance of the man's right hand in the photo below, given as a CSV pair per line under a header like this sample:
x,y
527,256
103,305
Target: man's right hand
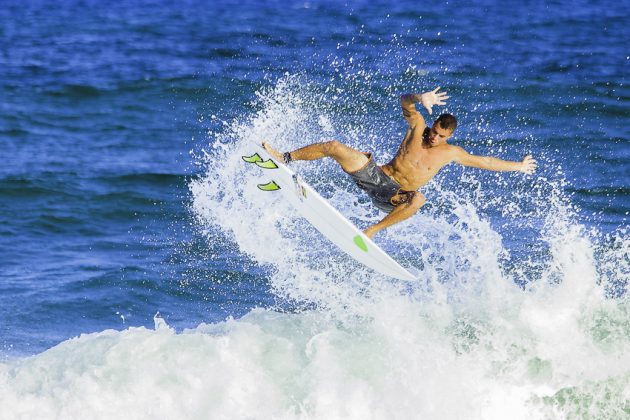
x,y
428,99
528,165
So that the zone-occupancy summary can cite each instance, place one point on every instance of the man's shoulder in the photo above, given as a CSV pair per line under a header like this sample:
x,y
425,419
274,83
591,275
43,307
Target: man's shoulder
x,y
450,149
450,153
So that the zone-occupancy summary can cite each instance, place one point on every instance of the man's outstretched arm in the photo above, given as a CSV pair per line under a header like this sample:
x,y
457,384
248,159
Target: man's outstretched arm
x,y
428,99
527,165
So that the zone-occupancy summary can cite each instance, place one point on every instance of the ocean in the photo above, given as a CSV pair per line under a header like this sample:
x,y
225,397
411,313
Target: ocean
x,y
143,275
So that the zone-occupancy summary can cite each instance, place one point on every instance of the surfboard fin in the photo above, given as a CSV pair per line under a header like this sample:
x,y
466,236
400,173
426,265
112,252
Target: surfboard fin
x,y
252,159
267,164
269,186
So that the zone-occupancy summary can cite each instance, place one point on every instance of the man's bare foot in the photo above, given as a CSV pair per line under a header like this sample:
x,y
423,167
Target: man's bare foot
x,y
273,152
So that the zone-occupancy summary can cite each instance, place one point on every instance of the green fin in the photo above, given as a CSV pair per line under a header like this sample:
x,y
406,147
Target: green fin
x,y
267,164
270,186
358,241
252,159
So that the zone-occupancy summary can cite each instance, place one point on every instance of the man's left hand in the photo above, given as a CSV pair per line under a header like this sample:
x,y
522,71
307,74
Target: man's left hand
x,y
428,99
528,165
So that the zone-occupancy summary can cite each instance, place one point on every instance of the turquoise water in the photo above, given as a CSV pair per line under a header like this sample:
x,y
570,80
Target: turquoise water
x,y
141,273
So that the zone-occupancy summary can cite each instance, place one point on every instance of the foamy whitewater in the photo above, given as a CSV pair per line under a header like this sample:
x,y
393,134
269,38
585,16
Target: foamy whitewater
x,y
498,327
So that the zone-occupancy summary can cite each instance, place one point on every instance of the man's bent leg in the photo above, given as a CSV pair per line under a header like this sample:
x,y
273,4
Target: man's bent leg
x,y
351,160
401,212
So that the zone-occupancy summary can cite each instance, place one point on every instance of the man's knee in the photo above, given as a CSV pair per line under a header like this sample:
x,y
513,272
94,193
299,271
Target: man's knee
x,y
350,160
417,200
411,200
333,148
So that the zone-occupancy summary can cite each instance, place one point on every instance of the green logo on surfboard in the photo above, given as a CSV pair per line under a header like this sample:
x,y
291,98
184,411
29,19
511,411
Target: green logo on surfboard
x,y
358,241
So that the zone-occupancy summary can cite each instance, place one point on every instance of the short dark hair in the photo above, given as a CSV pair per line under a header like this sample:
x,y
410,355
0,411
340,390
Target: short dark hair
x,y
447,122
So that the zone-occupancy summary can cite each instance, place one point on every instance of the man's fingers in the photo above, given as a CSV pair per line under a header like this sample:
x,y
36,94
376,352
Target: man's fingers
x,y
434,98
529,164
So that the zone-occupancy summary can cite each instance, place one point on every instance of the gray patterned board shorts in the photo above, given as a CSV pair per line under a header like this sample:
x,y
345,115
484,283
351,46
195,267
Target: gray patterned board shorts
x,y
379,187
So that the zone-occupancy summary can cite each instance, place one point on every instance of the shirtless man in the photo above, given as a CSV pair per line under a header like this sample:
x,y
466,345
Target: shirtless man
x,y
422,153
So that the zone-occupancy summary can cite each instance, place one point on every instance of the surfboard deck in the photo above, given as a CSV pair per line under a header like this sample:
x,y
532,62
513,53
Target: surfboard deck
x,y
323,216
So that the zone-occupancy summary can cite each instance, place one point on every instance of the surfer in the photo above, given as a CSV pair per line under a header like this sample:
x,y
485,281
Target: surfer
x,y
393,187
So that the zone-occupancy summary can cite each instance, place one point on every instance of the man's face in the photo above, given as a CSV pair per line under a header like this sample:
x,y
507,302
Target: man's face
x,y
438,135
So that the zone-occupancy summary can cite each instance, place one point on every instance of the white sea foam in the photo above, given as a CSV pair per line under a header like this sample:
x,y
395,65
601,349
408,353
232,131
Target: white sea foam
x,y
463,343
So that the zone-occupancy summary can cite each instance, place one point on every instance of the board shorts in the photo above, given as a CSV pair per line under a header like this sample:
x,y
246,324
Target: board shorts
x,y
379,186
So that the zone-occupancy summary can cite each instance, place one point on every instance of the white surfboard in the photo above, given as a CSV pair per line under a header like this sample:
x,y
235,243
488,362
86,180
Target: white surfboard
x,y
324,217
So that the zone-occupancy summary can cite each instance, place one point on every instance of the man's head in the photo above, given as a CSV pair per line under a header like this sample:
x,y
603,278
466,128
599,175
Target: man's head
x,y
442,129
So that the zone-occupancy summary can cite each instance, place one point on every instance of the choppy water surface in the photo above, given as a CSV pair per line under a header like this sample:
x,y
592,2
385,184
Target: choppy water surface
x,y
143,274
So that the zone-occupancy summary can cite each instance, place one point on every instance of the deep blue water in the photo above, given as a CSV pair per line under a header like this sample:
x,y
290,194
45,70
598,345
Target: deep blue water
x,y
101,105
105,108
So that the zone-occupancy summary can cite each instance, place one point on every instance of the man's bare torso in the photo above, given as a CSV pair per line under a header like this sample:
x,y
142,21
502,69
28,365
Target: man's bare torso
x,y
416,161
